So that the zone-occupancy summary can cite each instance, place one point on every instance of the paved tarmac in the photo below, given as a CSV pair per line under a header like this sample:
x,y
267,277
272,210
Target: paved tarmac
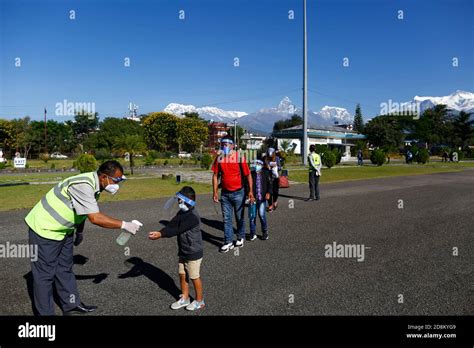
x,y
407,251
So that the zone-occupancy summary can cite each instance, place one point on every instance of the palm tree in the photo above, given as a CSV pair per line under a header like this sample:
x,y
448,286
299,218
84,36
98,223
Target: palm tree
x,y
133,144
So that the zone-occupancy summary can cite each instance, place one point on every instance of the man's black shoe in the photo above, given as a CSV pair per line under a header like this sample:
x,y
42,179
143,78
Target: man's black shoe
x,y
309,199
81,309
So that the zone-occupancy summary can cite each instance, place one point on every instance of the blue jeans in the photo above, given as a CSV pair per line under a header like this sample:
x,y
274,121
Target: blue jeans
x,y
261,205
233,202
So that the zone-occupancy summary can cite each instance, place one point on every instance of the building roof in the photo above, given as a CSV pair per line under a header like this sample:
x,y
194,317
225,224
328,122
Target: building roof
x,y
317,132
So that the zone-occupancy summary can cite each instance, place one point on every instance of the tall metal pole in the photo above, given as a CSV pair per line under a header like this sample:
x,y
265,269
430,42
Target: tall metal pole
x,y
304,140
235,133
45,134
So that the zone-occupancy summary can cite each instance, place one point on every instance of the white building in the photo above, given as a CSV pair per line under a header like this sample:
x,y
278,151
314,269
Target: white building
x,y
253,142
332,136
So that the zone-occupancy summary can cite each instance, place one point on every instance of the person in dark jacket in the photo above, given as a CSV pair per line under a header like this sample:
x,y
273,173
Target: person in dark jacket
x,y
262,188
186,225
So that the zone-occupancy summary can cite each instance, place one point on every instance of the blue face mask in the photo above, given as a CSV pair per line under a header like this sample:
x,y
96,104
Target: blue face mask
x,y
226,150
258,168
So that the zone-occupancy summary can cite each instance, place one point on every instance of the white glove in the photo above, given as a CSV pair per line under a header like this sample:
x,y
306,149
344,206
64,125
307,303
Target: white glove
x,y
131,227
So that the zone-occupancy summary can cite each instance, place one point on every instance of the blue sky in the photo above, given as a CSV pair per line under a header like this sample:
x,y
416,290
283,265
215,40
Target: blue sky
x,y
191,61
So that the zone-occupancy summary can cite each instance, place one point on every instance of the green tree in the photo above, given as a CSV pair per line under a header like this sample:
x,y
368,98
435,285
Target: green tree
x,y
194,115
25,136
433,127
60,136
463,129
387,130
133,144
160,130
358,121
6,135
84,124
295,120
191,134
110,129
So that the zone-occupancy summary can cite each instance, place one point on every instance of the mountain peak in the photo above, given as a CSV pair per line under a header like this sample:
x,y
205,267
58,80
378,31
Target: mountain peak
x,y
286,106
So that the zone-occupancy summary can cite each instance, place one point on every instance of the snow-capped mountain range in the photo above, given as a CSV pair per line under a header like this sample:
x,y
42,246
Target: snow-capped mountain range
x,y
264,119
457,101
206,112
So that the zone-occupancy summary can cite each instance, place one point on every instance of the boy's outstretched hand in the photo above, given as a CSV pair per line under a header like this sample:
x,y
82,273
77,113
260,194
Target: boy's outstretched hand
x,y
154,235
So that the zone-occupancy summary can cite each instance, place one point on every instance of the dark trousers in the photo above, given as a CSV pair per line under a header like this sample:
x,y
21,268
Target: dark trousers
x,y
313,185
274,194
53,266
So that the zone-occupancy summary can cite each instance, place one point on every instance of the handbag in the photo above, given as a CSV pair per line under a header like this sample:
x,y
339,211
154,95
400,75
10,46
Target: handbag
x,y
283,182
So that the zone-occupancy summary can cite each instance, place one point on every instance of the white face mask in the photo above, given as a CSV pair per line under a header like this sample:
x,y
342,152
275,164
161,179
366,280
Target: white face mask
x,y
112,188
183,206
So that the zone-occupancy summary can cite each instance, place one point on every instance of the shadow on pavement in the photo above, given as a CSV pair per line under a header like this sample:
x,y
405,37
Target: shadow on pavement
x,y
294,197
210,238
156,275
77,260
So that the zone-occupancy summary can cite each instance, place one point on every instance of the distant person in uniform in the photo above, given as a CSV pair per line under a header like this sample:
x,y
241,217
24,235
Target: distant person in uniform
x,y
314,162
360,158
52,223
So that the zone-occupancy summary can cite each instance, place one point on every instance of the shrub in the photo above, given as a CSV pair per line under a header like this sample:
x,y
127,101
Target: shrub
x,y
422,156
470,152
154,154
149,160
165,163
44,157
206,161
329,159
338,155
53,166
378,157
181,162
157,163
85,163
2,165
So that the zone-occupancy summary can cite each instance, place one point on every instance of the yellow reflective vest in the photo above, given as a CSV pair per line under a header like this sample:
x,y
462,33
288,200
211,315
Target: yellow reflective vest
x,y
316,160
54,217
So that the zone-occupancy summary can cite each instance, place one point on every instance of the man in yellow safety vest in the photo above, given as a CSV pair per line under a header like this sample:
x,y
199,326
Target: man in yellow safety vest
x,y
314,162
52,223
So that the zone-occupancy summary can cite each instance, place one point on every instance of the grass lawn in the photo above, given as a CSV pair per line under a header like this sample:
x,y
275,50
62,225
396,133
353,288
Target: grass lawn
x,y
371,172
68,163
19,197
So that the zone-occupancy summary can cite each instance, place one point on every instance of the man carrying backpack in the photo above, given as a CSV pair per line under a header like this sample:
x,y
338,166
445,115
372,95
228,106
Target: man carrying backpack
x,y
232,170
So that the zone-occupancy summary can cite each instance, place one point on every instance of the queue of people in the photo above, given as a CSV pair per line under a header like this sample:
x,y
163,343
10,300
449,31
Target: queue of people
x,y
56,223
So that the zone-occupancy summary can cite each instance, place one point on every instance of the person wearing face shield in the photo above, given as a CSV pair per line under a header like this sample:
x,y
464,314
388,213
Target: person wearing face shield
x,y
52,223
236,184
186,226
